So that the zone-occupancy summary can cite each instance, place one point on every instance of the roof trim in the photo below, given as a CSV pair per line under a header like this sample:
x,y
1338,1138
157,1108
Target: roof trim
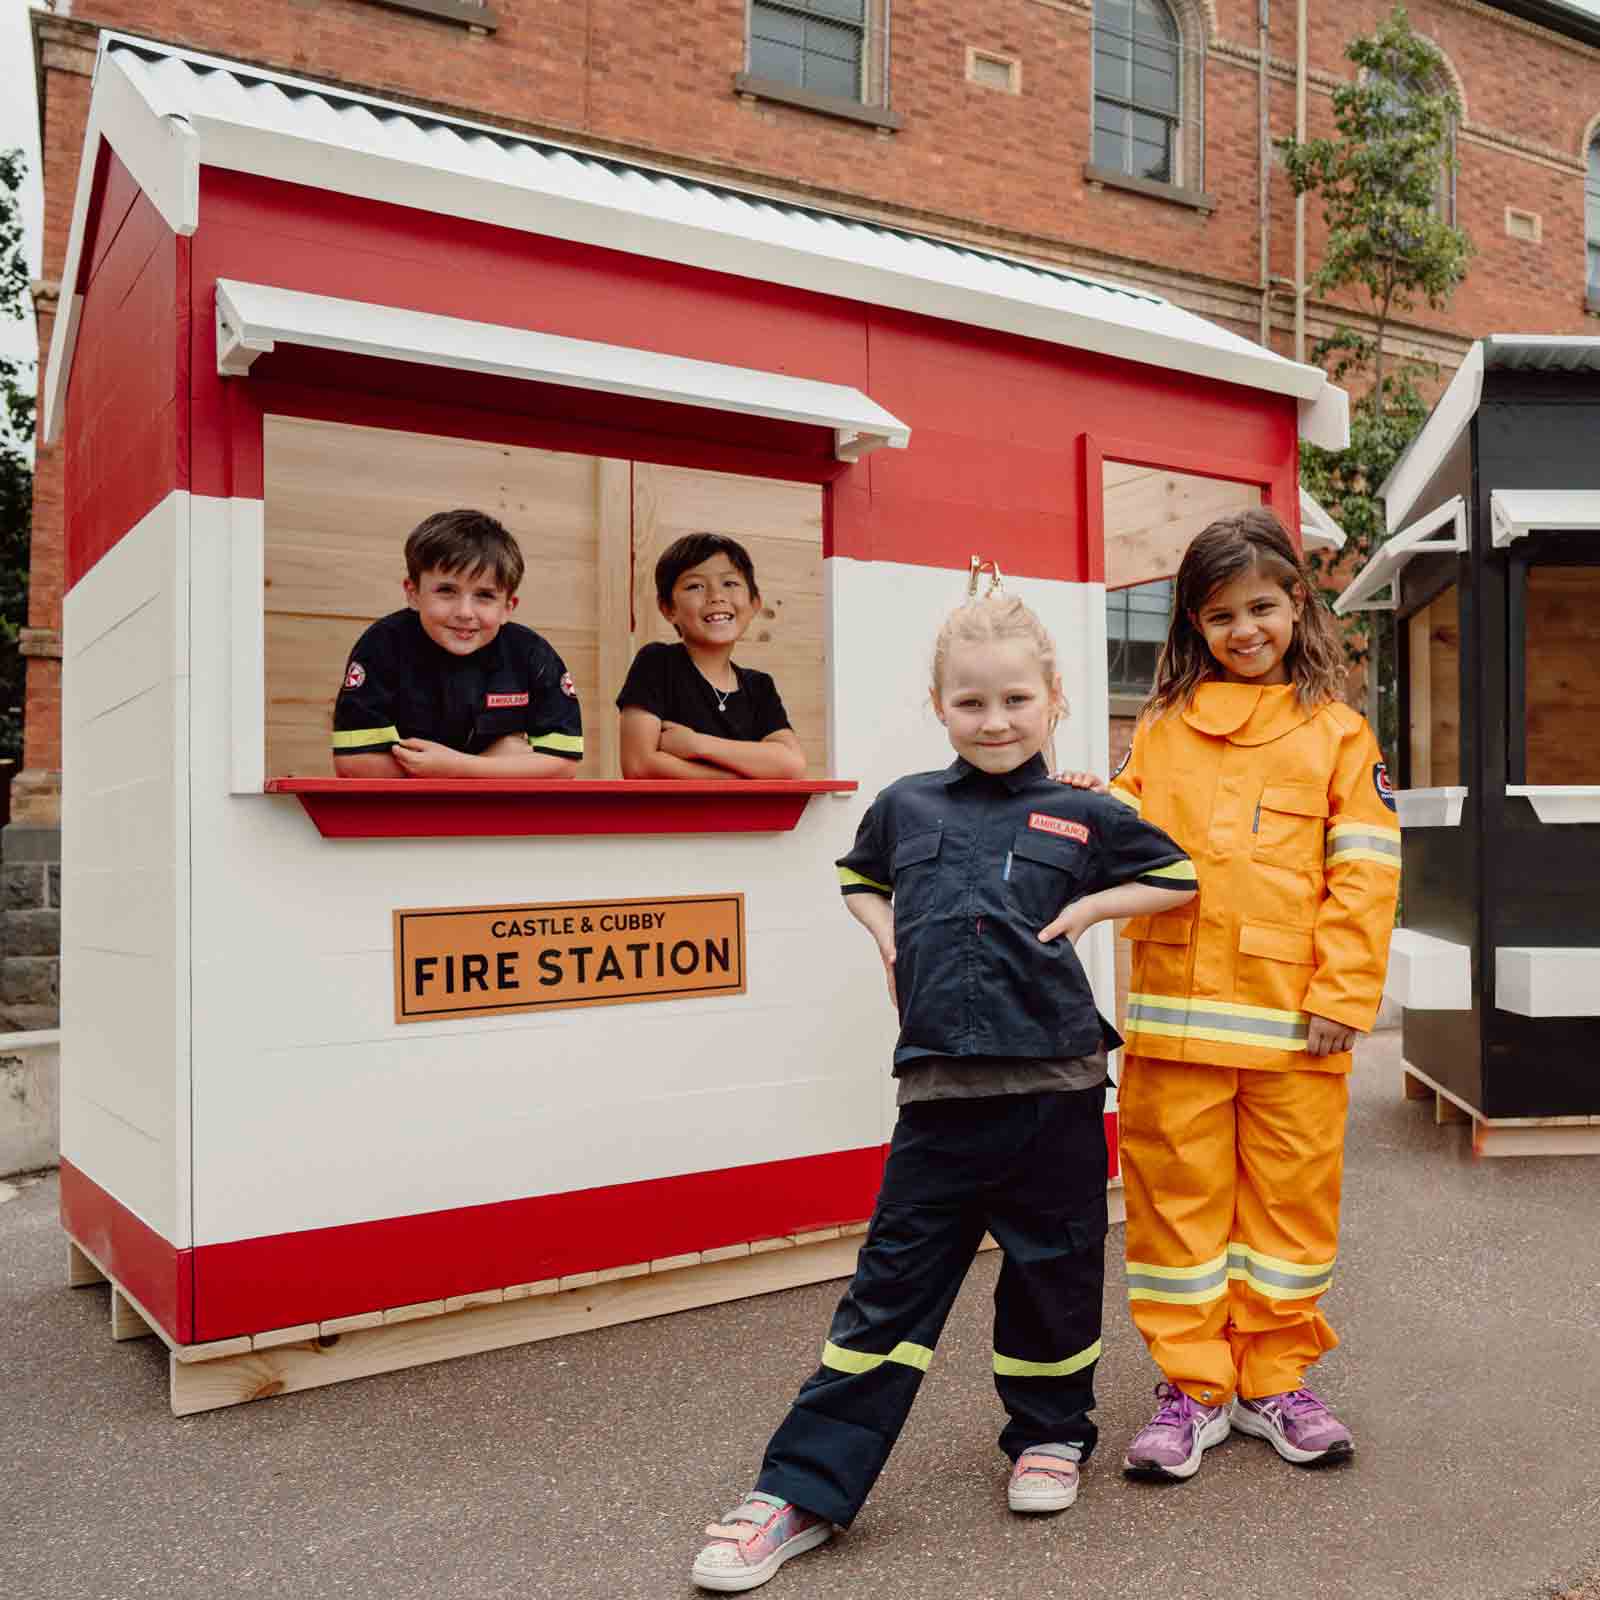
x,y
252,318
177,110
1420,459
1317,528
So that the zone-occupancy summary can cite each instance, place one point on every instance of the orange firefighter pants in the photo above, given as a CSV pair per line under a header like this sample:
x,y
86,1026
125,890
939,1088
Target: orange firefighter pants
x,y
1232,1178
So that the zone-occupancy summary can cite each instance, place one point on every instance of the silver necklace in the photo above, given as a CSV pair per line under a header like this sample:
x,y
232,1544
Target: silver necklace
x,y
722,695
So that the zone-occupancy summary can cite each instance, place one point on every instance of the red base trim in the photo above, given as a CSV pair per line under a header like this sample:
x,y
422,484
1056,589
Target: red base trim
x,y
155,1272
444,808
290,1278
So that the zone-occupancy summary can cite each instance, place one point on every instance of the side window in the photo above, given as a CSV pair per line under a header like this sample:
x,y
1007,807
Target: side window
x,y
1591,216
834,48
1444,192
1149,94
1136,628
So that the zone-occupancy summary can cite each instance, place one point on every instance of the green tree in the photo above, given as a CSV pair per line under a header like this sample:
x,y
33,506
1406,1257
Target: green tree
x,y
1381,180
16,468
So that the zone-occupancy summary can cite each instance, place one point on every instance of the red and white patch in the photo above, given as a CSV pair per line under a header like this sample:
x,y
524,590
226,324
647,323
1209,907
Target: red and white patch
x,y
1059,826
568,688
498,702
355,675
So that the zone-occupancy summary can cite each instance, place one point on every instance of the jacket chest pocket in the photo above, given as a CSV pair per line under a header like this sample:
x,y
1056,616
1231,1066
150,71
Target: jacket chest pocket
x,y
1044,874
915,875
1290,825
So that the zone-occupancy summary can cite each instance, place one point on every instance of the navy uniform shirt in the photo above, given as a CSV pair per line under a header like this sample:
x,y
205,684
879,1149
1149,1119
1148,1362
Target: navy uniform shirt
x,y
398,684
977,864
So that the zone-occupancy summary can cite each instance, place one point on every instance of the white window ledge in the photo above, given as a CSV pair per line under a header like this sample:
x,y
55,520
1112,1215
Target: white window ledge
x,y
1430,808
1442,531
1428,974
1561,802
1515,513
1547,982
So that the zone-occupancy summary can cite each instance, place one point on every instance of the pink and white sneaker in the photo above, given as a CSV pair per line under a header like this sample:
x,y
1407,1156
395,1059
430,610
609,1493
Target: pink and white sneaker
x,y
1297,1425
753,1540
1044,1478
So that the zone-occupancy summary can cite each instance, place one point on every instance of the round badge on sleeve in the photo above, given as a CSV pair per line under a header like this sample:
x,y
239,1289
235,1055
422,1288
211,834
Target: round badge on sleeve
x,y
355,675
567,686
1380,782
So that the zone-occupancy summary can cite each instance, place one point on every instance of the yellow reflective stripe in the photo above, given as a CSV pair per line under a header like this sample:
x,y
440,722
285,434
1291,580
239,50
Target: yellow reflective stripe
x,y
1011,1367
848,879
1201,1269
1339,829
1351,853
903,1354
1280,1291
1173,1297
1130,800
1181,871
1227,1008
353,738
1306,1269
567,744
1192,1030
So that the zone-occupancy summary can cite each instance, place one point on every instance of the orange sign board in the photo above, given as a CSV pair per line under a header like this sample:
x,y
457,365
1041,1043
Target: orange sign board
x,y
485,961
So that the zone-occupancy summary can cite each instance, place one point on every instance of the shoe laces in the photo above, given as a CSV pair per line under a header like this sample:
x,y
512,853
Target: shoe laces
x,y
1302,1404
1176,1408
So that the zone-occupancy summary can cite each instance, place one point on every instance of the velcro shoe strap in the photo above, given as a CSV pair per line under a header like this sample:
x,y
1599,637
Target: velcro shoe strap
x,y
1047,1461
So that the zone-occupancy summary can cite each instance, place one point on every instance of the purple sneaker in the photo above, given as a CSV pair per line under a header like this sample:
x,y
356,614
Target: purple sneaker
x,y
1297,1425
1172,1442
753,1540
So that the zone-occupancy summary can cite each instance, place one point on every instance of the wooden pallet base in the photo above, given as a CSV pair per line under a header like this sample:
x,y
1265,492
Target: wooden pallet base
x,y
1506,1136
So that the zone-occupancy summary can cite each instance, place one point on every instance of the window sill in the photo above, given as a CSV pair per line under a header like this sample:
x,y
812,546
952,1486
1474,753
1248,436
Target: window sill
x,y
828,105
1104,177
444,808
481,19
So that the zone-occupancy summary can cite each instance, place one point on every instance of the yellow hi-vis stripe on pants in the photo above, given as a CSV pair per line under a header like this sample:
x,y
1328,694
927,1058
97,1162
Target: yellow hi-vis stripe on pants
x,y
903,1354
1181,1286
1011,1367
1218,1021
1275,1278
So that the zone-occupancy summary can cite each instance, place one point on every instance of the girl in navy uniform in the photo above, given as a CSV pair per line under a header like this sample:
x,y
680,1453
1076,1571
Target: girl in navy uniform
x,y
974,883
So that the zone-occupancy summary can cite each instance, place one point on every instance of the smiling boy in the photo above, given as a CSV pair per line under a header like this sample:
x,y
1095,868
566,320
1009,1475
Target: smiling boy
x,y
687,710
449,686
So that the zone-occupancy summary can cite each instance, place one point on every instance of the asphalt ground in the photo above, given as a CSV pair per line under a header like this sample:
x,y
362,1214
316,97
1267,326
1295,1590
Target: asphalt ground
x,y
1468,1297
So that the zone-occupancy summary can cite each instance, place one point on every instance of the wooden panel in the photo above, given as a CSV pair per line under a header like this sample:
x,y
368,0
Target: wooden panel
x,y
780,524
340,501
1151,516
1563,674
1435,686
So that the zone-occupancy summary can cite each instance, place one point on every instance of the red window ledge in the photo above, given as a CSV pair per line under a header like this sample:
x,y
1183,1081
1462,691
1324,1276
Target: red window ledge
x,y
447,808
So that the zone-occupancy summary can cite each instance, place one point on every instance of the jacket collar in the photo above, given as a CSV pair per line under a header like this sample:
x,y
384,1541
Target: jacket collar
x,y
1018,778
1246,713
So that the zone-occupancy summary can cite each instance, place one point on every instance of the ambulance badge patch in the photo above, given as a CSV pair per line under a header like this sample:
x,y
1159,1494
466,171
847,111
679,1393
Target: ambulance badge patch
x,y
1380,782
497,702
567,687
1059,826
355,675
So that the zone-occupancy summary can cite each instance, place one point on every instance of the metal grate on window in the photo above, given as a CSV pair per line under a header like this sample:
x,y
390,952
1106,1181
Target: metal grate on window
x,y
1136,628
829,47
1149,94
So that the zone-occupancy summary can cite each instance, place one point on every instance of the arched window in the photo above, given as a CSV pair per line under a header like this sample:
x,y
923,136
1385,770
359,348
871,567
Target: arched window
x,y
1139,91
1591,218
1438,82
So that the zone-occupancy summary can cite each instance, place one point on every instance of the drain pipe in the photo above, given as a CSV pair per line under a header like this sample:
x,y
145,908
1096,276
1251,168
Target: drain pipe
x,y
1264,165
1300,199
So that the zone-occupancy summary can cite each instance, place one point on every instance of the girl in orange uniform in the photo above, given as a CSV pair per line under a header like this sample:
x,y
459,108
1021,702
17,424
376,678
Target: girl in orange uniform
x,y
1245,1003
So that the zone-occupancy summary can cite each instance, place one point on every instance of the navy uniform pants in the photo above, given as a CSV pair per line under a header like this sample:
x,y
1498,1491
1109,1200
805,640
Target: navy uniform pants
x,y
1031,1170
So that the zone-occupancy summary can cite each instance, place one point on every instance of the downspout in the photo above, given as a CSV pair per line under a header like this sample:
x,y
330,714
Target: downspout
x,y
1300,199
1264,166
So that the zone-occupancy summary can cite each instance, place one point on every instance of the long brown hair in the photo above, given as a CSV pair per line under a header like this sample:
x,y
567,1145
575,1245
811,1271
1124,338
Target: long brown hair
x,y
1247,541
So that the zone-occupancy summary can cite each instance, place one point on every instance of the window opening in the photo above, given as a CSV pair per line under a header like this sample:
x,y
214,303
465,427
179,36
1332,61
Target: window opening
x,y
1139,90
824,46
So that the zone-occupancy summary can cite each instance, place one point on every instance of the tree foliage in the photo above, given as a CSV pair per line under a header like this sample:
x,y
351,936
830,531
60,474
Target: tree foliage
x,y
16,468
1383,180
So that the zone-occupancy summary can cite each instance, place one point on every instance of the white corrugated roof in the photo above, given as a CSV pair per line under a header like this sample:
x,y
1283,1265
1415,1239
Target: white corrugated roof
x,y
167,112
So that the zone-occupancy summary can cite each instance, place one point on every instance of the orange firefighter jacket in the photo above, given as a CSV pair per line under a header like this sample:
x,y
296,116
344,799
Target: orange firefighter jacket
x,y
1290,821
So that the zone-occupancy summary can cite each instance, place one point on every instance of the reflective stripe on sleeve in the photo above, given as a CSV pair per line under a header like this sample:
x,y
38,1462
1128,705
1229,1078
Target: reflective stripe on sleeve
x,y
1184,1286
859,880
1219,1021
558,744
1012,1367
903,1354
1276,1278
1177,873
1363,841
362,738
1127,797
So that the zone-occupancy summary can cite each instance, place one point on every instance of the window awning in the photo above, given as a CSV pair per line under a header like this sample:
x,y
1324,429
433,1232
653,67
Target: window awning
x,y
1515,513
1444,529
1318,531
253,318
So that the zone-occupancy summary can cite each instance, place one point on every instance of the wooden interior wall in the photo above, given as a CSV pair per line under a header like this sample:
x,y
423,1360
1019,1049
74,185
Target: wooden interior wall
x,y
1435,684
1152,515
1563,674
339,501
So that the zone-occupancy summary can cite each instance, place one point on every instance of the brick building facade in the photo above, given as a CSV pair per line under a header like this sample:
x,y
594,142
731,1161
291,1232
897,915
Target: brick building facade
x,y
974,123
